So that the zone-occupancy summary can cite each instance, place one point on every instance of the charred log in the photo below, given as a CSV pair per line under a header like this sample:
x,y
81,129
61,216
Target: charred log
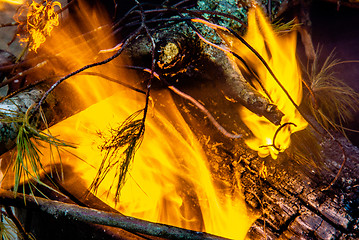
x,y
182,58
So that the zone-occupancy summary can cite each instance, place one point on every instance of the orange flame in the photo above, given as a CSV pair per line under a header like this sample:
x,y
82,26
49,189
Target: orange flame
x,y
40,20
169,181
279,51
15,2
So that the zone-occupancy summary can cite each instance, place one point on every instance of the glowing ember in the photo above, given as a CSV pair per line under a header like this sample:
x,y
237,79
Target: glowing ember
x,y
279,52
40,20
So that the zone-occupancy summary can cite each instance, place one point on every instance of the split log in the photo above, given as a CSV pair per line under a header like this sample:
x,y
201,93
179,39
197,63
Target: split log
x,y
296,204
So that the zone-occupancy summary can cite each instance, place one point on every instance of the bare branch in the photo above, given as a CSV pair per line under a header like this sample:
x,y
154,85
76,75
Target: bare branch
x,y
82,214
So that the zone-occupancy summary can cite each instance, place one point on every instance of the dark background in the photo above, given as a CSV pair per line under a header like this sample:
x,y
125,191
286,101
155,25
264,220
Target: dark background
x,y
339,31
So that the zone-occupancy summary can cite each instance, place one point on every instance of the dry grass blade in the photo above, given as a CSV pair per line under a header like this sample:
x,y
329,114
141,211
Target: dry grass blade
x,y
281,27
332,102
10,226
306,150
8,229
119,150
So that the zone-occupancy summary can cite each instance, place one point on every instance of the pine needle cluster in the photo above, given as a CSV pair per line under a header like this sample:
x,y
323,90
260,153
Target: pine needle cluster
x,y
119,149
26,162
331,101
8,229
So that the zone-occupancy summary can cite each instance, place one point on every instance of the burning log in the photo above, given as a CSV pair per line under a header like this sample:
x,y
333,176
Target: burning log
x,y
294,202
283,204
186,57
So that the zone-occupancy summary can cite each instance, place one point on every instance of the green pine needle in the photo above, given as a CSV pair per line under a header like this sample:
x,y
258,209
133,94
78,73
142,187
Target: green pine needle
x,y
284,27
27,165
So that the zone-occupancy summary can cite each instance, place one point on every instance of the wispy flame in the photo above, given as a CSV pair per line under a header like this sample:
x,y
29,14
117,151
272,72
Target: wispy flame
x,y
279,51
40,20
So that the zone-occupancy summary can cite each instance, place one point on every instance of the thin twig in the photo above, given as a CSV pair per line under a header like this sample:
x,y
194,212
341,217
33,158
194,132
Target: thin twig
x,y
113,80
224,49
341,166
214,13
153,61
128,40
181,3
205,111
9,24
316,105
275,136
22,74
191,99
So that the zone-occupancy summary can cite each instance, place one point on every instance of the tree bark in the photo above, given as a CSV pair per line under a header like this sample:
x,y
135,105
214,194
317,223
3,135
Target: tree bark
x,y
183,56
292,200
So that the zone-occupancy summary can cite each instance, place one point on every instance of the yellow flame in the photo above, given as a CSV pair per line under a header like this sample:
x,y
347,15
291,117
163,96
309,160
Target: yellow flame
x,y
169,181
279,51
40,20
15,2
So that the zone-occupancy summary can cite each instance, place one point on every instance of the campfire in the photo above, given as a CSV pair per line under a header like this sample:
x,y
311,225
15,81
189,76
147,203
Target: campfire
x,y
183,125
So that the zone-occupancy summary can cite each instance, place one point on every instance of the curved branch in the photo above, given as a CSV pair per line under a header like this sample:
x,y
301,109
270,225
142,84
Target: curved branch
x,y
276,134
205,111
